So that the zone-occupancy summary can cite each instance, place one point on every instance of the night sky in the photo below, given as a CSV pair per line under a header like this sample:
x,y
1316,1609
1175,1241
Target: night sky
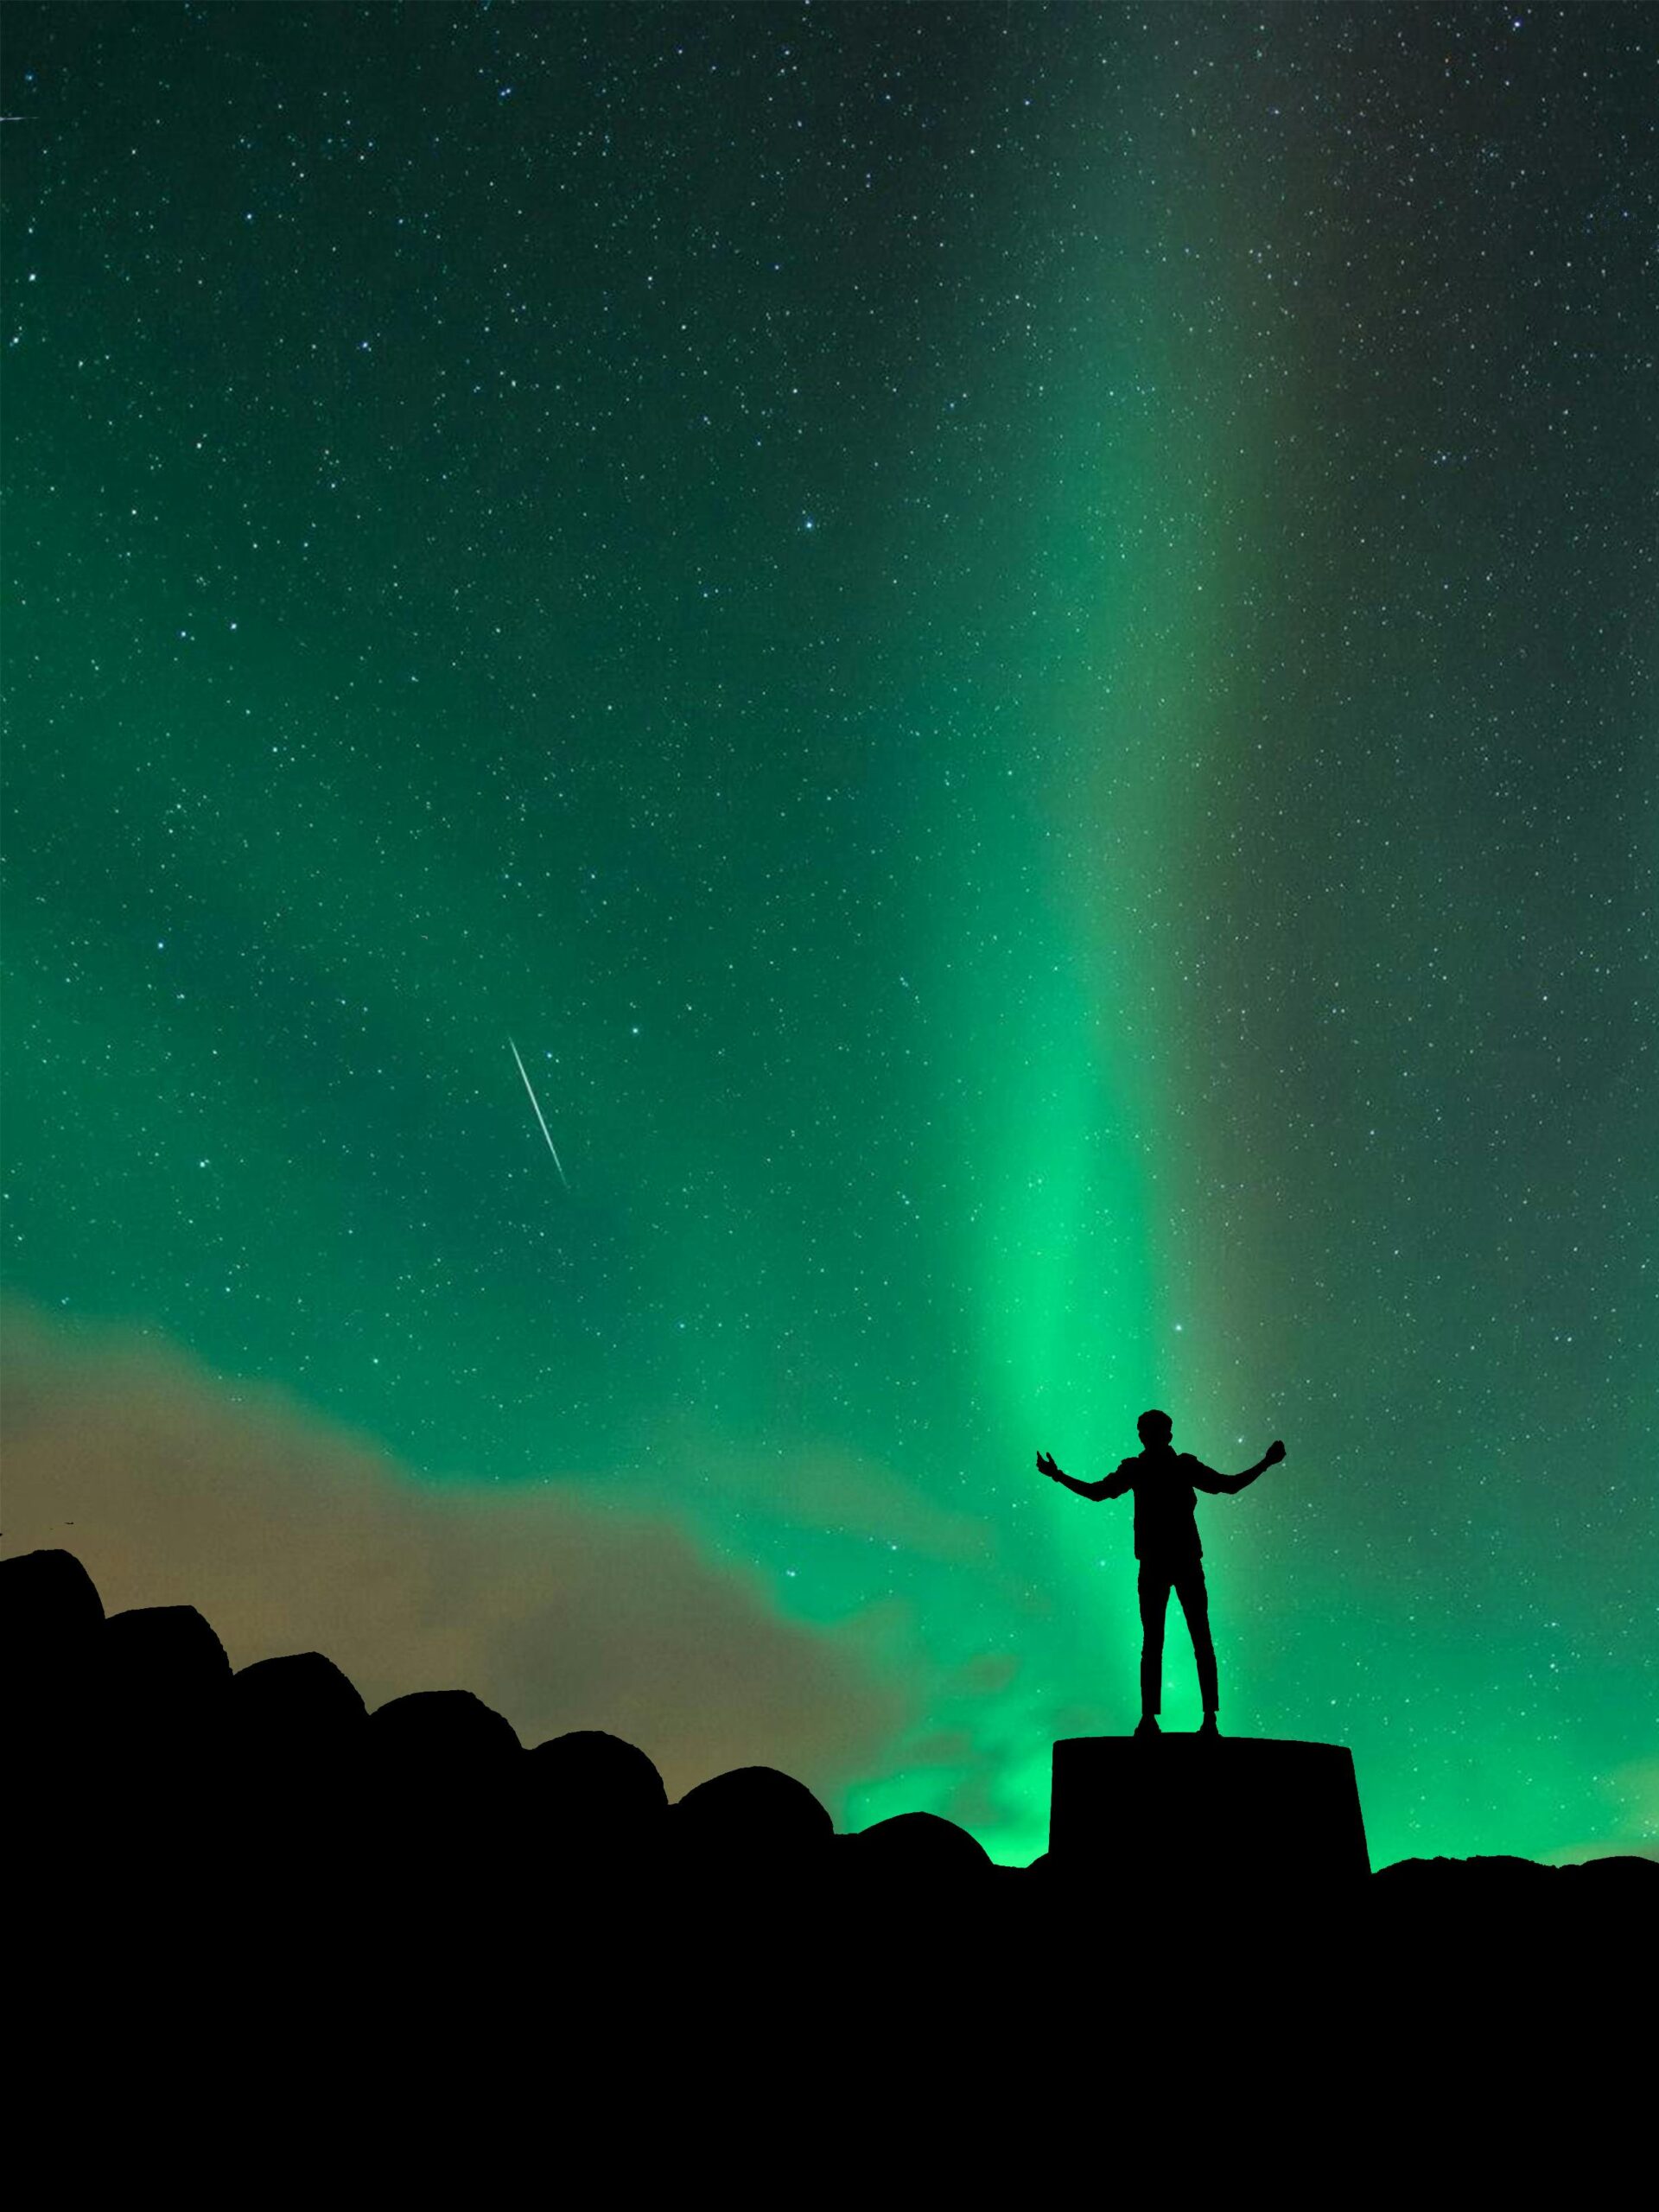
x,y
1014,645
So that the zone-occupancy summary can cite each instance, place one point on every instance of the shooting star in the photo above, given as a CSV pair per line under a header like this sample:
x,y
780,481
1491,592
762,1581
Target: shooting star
x,y
542,1118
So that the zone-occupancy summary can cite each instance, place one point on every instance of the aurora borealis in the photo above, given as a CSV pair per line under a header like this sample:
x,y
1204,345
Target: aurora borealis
x,y
1015,645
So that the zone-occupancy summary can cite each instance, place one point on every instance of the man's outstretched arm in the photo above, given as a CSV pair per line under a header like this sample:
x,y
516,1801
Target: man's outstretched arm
x,y
1207,1479
1113,1486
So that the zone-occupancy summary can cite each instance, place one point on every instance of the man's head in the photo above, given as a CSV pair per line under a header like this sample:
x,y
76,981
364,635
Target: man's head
x,y
1154,1427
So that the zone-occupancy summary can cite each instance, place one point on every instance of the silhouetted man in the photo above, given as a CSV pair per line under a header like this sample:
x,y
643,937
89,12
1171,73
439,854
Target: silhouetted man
x,y
1167,1544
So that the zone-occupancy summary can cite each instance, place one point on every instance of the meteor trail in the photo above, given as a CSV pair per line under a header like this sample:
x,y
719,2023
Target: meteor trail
x,y
542,1118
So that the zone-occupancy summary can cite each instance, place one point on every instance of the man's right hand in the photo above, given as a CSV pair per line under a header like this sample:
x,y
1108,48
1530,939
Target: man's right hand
x,y
1274,1454
1046,1466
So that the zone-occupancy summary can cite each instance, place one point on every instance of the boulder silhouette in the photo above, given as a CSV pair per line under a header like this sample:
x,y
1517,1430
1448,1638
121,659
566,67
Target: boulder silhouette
x,y
164,1677
1621,1878
1467,1876
50,1612
1474,1892
51,1713
51,1648
750,1816
918,1847
1151,1810
593,1812
293,1780
435,1791
596,1783
438,1734
297,1708
157,1737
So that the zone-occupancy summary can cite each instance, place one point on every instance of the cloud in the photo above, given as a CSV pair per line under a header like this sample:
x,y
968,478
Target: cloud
x,y
826,1490
558,1607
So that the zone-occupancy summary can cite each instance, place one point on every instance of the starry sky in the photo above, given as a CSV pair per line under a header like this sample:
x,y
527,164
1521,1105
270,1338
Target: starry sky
x,y
1014,644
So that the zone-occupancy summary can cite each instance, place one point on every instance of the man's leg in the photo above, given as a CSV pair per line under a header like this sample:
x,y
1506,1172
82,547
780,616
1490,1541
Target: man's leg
x,y
1195,1604
1153,1586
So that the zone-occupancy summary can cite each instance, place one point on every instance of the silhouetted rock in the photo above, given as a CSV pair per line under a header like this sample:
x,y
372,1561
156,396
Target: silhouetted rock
x,y
300,1708
434,1805
1619,1875
595,1781
1423,1876
593,1814
156,1741
292,1790
51,1650
752,1817
51,1714
433,1731
913,1847
1160,1809
164,1678
1498,1886
50,1612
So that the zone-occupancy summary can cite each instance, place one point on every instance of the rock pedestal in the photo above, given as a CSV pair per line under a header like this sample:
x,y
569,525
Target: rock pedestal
x,y
1190,1808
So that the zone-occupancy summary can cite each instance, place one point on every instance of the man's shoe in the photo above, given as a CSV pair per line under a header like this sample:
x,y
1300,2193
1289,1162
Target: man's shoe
x,y
1148,1725
1208,1727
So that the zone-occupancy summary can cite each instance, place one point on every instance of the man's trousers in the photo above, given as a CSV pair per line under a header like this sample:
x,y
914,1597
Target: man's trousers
x,y
1155,1584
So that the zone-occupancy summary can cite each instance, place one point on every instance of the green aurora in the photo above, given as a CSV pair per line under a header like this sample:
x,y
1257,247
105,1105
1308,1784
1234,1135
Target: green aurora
x,y
1015,644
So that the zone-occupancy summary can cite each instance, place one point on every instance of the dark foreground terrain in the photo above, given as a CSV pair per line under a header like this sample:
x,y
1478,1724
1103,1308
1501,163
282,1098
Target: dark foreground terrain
x,y
261,1942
